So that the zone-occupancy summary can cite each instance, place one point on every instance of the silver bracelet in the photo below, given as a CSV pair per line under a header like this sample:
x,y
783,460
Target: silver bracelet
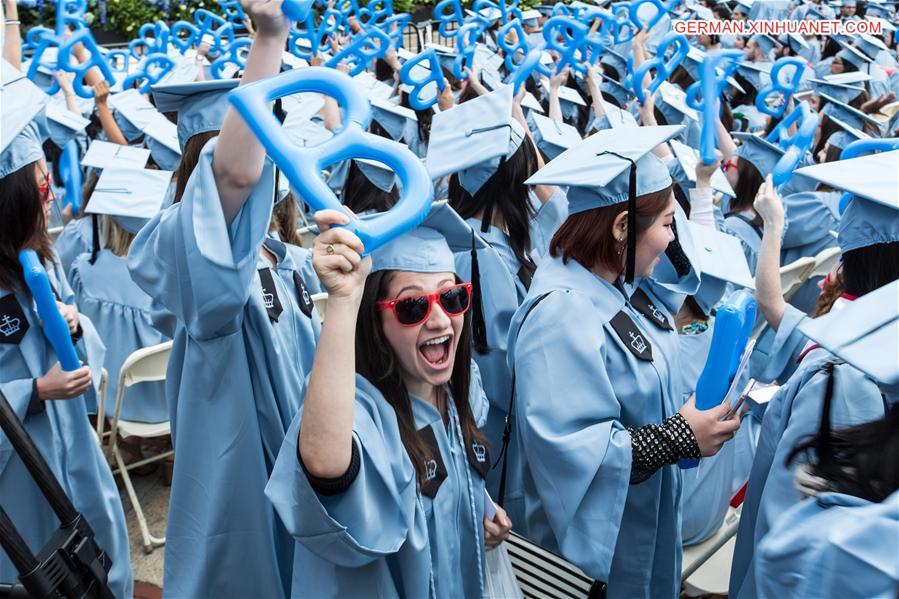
x,y
13,21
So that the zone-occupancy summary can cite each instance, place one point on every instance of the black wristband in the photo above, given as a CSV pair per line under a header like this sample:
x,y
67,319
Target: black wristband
x,y
654,446
333,486
35,404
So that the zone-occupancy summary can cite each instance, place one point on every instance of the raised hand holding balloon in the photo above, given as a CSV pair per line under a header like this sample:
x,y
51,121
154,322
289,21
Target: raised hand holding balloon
x,y
514,52
70,172
55,328
785,89
449,13
528,66
433,75
734,320
153,68
303,165
566,37
371,45
65,61
662,66
151,38
235,53
710,86
466,46
796,145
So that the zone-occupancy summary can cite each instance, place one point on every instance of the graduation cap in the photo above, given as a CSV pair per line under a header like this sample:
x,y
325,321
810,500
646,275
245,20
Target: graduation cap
x,y
103,154
672,103
616,61
303,131
720,260
392,117
743,7
62,124
872,217
378,174
846,135
616,90
553,137
201,105
529,17
796,42
761,153
688,158
473,138
846,113
766,43
131,196
133,113
757,74
863,333
22,101
531,103
609,168
841,91
853,55
161,138
870,45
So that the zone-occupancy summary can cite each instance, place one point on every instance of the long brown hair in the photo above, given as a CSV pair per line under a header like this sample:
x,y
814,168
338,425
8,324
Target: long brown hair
x,y
22,225
376,361
284,220
189,159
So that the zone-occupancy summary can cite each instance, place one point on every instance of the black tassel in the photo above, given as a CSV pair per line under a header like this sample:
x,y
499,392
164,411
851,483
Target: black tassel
x,y
631,217
479,327
95,244
823,448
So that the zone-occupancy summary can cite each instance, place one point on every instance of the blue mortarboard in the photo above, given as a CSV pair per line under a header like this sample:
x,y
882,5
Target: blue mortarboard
x,y
377,174
103,154
201,106
429,247
796,42
553,137
392,117
870,45
720,260
21,100
472,139
621,94
23,149
130,196
672,103
863,333
609,168
688,158
872,217
846,135
840,91
743,6
762,154
616,61
766,43
757,74
853,55
132,113
162,141
62,125
877,11
529,17
854,117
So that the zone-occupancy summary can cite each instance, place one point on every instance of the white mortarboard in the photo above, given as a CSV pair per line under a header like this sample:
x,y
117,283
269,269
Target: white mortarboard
x,y
531,103
689,158
294,62
134,108
162,141
672,102
720,260
474,137
130,195
21,99
392,116
201,105
304,105
530,15
872,217
598,172
863,333
617,117
553,137
305,132
848,78
104,155
841,91
63,124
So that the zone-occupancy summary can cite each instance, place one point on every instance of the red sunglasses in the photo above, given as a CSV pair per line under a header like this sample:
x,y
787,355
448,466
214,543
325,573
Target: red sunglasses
x,y
415,309
45,188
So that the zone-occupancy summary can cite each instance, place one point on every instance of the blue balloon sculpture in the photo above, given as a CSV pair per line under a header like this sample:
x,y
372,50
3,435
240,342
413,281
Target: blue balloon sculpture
x,y
368,46
734,320
513,53
466,45
663,67
796,145
55,328
435,75
70,171
303,165
786,89
234,54
637,20
66,62
864,146
296,10
567,37
527,66
151,38
710,86
448,13
152,70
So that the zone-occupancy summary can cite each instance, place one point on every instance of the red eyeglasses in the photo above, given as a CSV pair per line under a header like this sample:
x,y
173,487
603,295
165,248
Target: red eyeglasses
x,y
46,189
415,309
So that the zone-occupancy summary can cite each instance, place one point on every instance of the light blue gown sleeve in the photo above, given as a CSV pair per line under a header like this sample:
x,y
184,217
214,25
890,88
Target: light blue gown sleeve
x,y
549,217
775,353
188,259
74,240
567,418
373,517
480,405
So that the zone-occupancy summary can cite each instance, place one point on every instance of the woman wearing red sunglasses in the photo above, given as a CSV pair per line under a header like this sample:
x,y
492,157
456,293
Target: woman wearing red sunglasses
x,y
381,477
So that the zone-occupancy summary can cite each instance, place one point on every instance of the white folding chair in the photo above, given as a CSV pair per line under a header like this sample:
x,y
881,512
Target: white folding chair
x,y
144,365
794,274
321,301
705,569
306,236
54,232
101,405
824,262
542,573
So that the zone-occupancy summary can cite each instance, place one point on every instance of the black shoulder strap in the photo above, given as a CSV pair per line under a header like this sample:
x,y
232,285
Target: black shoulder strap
x,y
507,429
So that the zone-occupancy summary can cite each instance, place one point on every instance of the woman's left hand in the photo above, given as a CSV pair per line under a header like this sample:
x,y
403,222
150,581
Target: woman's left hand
x,y
497,530
70,314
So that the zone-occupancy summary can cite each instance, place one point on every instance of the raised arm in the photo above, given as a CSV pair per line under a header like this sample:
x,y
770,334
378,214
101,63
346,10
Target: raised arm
x,y
239,157
768,291
107,121
12,43
326,430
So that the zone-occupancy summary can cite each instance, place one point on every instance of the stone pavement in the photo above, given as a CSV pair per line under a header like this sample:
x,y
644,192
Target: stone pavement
x,y
154,500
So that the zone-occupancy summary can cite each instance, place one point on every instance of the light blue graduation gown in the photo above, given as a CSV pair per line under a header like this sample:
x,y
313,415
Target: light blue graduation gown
x,y
382,537
792,415
63,435
236,382
76,238
578,388
814,219
105,292
502,291
831,547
